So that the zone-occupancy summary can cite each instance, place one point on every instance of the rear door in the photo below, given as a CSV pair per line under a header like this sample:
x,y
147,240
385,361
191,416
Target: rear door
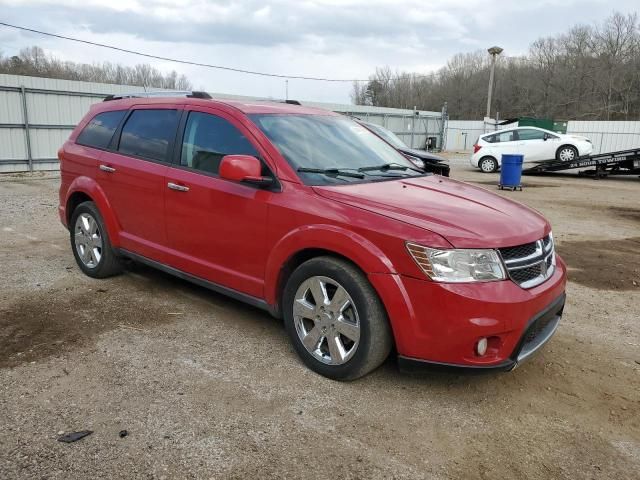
x,y
216,228
503,142
132,175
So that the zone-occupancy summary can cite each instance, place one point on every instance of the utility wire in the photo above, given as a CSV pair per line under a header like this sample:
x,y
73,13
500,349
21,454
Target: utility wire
x,y
207,65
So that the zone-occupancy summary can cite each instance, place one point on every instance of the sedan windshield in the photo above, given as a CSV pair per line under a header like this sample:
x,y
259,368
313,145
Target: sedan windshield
x,y
388,135
333,149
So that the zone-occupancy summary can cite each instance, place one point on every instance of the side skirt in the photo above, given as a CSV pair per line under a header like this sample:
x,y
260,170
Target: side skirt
x,y
243,297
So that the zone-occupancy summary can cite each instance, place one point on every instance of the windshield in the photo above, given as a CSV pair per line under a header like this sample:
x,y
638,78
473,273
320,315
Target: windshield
x,y
389,136
333,143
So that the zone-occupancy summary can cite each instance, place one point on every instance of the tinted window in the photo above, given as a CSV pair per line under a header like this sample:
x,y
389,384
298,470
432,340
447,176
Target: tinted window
x,y
530,134
148,133
208,138
99,130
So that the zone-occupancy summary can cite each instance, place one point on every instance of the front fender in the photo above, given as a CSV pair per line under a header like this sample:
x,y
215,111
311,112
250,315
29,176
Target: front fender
x,y
347,243
90,187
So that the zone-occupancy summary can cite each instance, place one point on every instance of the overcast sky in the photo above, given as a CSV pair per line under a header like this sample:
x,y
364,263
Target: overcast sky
x,y
325,38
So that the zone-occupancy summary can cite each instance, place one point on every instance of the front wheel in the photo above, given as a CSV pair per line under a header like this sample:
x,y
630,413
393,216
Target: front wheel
x,y
335,320
566,153
488,165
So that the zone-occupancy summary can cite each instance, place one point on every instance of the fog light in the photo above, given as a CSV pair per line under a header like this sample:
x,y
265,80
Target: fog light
x,y
481,347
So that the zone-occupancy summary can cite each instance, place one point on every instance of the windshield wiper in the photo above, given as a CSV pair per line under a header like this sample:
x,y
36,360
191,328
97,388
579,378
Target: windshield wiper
x,y
388,166
331,171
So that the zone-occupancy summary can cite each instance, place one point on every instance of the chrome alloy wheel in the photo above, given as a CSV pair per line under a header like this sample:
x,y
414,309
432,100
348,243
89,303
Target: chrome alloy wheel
x,y
567,154
488,165
326,320
88,240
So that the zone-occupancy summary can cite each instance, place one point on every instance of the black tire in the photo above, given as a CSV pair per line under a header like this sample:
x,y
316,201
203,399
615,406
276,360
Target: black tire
x,y
566,151
108,263
375,337
488,165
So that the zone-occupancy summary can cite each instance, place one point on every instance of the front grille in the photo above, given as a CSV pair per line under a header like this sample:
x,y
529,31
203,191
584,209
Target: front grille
x,y
519,251
530,264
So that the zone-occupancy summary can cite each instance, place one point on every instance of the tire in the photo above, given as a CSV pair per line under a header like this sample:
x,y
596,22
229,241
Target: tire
x,y
356,321
488,164
90,242
566,153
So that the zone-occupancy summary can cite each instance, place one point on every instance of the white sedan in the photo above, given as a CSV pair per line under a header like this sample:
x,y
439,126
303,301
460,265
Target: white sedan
x,y
536,144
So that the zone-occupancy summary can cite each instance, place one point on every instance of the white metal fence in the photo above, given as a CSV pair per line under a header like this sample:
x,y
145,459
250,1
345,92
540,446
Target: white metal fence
x,y
37,115
606,136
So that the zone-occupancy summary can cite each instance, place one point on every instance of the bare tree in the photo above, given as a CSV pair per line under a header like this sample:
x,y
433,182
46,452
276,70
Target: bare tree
x,y
590,72
35,62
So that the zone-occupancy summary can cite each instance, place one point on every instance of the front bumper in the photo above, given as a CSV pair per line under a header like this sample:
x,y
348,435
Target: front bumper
x,y
538,332
440,323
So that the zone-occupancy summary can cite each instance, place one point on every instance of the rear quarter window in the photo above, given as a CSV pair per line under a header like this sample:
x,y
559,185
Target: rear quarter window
x,y
99,131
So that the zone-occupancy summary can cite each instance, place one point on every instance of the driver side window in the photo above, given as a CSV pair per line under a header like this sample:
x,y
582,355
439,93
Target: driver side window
x,y
208,138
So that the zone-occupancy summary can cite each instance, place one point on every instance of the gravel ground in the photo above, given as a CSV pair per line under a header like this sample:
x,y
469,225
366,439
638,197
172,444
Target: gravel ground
x,y
207,387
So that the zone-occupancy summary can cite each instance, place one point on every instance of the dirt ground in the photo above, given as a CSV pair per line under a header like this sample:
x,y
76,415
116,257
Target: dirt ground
x,y
207,387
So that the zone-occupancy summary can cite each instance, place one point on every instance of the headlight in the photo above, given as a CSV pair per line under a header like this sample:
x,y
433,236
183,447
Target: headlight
x,y
464,265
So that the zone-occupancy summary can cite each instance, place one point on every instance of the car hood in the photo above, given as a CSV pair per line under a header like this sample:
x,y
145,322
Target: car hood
x,y
465,215
422,155
576,137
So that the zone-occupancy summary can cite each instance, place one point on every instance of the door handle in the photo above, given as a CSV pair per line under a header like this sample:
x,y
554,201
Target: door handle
x,y
107,168
179,188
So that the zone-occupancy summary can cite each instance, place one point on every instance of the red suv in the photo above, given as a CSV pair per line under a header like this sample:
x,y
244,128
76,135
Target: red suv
x,y
310,216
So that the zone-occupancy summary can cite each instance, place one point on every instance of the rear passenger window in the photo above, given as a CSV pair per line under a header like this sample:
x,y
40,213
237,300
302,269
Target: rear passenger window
x,y
148,133
99,130
208,138
505,136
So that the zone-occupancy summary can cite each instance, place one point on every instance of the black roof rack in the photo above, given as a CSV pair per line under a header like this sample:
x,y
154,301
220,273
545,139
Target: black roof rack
x,y
159,94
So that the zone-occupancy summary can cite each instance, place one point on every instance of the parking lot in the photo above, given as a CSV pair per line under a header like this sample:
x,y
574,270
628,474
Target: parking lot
x,y
207,387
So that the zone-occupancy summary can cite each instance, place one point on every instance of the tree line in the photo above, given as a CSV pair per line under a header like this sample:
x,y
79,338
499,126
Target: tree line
x,y
592,72
35,62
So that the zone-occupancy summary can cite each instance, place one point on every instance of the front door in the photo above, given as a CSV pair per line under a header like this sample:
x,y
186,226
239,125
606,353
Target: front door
x,y
216,228
533,145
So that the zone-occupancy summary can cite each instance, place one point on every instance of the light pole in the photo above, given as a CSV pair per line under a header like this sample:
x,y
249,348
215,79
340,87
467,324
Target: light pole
x,y
494,52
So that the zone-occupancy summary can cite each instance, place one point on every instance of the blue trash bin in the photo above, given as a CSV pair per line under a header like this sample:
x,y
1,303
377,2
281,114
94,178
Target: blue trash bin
x,y
511,171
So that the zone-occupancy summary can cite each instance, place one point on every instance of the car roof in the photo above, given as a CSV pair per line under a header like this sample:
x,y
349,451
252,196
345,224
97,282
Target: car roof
x,y
247,107
518,128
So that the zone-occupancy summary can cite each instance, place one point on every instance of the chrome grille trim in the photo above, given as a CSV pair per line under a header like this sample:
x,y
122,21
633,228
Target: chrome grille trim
x,y
540,264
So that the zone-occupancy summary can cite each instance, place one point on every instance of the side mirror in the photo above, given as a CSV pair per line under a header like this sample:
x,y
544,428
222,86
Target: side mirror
x,y
546,137
243,168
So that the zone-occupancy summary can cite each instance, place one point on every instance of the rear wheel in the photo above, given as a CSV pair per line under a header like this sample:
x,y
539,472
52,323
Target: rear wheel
x,y
567,153
488,164
90,242
335,320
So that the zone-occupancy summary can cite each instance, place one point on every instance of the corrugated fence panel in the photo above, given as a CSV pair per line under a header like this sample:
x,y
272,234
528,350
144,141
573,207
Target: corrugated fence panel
x,y
10,107
47,109
46,142
608,136
12,144
461,134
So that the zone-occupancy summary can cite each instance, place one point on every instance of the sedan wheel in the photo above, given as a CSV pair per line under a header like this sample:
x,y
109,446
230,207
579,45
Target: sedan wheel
x,y
326,320
567,153
488,165
88,240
